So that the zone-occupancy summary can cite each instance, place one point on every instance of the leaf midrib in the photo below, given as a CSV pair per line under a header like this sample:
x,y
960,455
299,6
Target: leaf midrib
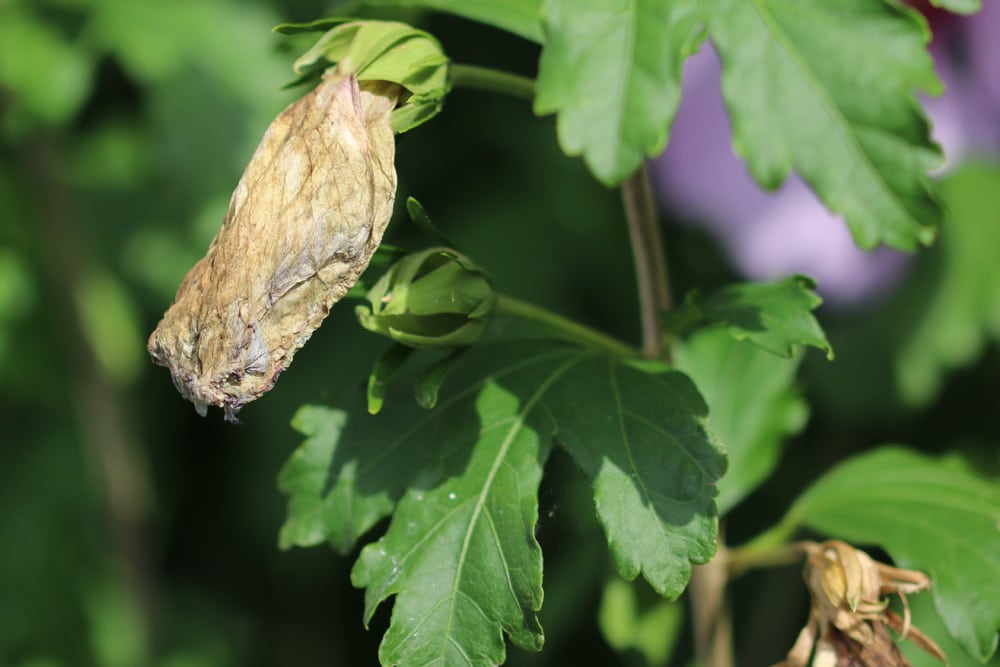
x,y
488,484
834,112
630,50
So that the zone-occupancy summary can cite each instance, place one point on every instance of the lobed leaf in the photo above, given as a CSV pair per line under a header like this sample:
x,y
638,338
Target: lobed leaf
x,y
639,434
775,316
313,515
353,467
928,514
825,87
460,554
611,70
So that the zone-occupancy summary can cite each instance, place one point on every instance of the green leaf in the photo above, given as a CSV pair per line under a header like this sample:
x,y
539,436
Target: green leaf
x,y
960,312
825,87
611,70
959,6
928,514
639,434
428,384
753,405
319,25
384,51
927,620
312,507
385,368
460,554
110,324
775,316
28,46
422,220
651,627
521,17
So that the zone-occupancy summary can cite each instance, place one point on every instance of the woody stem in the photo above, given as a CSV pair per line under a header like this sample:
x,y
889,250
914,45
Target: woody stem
x,y
650,262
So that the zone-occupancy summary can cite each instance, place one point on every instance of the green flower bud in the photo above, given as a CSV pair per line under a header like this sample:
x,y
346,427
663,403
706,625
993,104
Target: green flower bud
x,y
432,298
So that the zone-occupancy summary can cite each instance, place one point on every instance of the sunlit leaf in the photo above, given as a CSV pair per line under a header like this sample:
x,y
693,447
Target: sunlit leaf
x,y
826,88
960,6
460,554
611,71
775,316
520,17
639,435
928,514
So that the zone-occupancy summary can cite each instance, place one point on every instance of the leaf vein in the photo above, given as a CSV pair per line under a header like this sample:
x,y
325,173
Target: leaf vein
x,y
833,111
480,500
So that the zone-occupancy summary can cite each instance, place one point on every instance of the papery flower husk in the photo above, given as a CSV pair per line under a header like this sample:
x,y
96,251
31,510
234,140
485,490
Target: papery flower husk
x,y
849,618
303,223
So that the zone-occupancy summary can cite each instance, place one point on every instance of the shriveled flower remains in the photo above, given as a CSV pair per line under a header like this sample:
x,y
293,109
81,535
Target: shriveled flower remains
x,y
303,223
849,619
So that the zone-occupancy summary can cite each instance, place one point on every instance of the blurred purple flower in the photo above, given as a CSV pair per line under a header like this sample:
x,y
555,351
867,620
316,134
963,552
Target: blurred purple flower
x,y
769,235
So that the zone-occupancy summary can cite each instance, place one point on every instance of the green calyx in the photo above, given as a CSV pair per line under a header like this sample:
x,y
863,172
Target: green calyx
x,y
434,298
381,51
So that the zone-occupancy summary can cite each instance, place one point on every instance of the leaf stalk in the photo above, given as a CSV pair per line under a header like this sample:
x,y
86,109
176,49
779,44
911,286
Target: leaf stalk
x,y
563,327
492,80
742,559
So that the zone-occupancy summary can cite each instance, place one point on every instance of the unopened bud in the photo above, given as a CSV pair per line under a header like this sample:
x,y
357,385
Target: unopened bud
x,y
433,298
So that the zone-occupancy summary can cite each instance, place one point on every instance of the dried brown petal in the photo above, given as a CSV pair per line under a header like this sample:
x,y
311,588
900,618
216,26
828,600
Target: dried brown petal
x,y
798,655
880,651
907,631
305,218
850,613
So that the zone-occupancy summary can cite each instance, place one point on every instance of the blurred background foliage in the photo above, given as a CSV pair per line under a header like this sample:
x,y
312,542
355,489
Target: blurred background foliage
x,y
133,532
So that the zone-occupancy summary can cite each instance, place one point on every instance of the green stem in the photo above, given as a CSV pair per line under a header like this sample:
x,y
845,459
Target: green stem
x,y
564,327
770,548
740,560
775,536
492,80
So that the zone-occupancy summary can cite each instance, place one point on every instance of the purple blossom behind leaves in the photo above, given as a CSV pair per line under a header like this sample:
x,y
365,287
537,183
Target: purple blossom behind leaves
x,y
768,235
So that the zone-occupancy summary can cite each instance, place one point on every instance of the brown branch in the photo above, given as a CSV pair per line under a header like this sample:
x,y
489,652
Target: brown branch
x,y
710,610
650,263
